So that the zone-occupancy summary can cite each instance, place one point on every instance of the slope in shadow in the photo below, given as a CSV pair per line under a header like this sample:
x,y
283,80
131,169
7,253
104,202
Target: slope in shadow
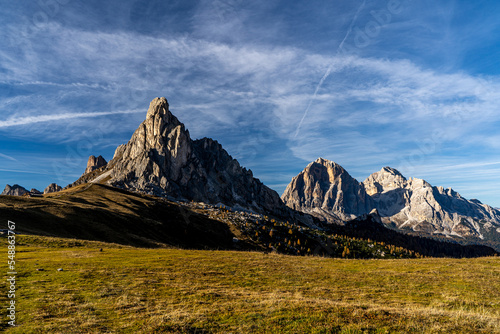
x,y
369,228
104,213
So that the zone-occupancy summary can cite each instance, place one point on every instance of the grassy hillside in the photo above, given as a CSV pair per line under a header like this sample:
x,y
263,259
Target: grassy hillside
x,y
98,212
135,290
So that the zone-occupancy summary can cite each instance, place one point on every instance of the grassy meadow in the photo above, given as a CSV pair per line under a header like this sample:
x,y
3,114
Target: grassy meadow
x,y
135,290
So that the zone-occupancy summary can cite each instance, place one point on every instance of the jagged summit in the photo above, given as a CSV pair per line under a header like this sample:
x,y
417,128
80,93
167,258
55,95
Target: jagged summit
x,y
324,187
162,159
327,190
159,106
326,166
384,180
325,162
95,163
391,171
15,190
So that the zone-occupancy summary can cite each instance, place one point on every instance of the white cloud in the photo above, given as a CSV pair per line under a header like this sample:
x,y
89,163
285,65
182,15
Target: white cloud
x,y
59,117
251,79
5,156
365,112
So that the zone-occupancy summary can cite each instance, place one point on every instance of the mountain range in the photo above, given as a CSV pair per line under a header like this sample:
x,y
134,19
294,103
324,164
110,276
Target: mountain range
x,y
162,160
326,190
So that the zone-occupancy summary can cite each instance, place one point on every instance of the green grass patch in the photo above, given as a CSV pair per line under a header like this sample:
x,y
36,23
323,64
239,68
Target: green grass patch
x,y
136,290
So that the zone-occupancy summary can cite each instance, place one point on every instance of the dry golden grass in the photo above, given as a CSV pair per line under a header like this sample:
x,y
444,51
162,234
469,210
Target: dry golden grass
x,y
130,290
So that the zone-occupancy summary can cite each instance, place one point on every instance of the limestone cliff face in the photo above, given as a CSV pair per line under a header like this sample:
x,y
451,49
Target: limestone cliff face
x,y
94,163
326,189
415,204
15,190
386,179
161,159
52,188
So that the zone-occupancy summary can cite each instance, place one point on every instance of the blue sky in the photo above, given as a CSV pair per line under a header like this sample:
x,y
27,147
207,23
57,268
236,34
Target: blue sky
x,y
414,85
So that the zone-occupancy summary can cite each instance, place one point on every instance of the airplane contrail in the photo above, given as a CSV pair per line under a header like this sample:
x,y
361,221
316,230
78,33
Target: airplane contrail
x,y
329,69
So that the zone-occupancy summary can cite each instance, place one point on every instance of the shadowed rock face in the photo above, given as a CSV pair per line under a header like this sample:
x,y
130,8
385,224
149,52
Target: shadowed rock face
x,y
161,159
326,189
15,190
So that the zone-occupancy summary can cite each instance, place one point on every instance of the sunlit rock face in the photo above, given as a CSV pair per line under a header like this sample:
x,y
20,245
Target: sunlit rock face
x,y
94,163
52,188
161,159
15,190
325,189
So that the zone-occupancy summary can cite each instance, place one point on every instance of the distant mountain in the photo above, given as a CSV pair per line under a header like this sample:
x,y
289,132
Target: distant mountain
x,y
52,188
162,159
326,190
416,205
15,190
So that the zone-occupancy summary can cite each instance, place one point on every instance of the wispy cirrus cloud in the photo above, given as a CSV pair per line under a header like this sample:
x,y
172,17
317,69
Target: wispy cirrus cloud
x,y
59,117
244,79
236,80
5,156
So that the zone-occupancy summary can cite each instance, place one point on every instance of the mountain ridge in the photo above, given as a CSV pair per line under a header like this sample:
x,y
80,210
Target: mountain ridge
x,y
328,188
410,205
162,159
108,214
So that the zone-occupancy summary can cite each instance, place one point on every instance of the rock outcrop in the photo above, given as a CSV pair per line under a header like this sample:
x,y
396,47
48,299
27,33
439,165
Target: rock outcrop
x,y
161,159
416,205
95,163
15,190
34,191
326,190
52,188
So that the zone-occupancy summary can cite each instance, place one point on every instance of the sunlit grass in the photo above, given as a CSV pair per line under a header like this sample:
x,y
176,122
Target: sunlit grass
x,y
130,290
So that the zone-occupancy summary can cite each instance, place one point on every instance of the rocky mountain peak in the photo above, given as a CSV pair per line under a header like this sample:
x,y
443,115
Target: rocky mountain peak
x,y
161,134
159,120
391,171
52,188
324,186
15,190
409,204
384,180
94,163
415,183
325,162
323,169
159,106
162,159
